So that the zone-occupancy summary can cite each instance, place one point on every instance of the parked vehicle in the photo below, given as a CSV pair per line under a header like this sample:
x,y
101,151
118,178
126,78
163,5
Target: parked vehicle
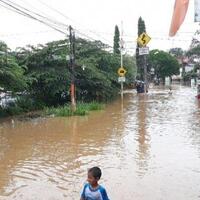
x,y
6,100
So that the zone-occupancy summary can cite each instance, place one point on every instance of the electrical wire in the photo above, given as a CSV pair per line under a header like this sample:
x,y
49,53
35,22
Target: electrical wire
x,y
39,15
18,9
61,27
63,15
21,12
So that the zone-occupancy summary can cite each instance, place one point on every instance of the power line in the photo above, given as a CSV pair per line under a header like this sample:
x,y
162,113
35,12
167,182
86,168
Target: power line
x,y
18,9
39,15
55,10
60,13
31,6
59,26
21,12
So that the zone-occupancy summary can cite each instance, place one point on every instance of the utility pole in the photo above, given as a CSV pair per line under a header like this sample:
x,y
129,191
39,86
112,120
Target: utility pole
x,y
72,67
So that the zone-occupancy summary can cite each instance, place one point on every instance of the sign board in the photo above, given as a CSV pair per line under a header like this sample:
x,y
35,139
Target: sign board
x,y
143,39
121,71
143,51
121,79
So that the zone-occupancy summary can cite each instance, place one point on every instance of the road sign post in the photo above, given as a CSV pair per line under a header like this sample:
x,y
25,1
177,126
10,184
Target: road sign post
x,y
143,40
121,72
121,79
143,51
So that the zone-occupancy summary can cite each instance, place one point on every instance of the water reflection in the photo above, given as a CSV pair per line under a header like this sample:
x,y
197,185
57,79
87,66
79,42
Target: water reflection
x,y
147,145
143,154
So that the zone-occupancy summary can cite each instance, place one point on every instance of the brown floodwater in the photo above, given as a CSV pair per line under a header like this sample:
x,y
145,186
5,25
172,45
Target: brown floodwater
x,y
148,147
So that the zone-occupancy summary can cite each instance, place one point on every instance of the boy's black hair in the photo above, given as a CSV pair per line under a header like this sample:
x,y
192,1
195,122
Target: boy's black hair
x,y
96,172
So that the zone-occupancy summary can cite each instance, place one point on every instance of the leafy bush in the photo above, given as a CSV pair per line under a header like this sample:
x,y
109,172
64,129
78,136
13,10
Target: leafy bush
x,y
21,105
81,109
28,104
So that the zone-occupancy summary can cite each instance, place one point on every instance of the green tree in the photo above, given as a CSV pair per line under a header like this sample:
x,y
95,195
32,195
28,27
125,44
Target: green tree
x,y
195,41
194,52
140,59
163,63
47,71
141,26
49,75
116,46
11,74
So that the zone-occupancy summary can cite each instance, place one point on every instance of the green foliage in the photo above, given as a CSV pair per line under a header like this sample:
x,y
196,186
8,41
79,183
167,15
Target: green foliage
x,y
91,106
43,74
81,109
130,66
195,51
99,80
47,72
11,74
116,46
141,26
163,63
12,110
28,104
59,111
3,112
22,104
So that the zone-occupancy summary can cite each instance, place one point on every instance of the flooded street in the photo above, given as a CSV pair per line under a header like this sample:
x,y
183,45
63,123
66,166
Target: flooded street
x,y
147,146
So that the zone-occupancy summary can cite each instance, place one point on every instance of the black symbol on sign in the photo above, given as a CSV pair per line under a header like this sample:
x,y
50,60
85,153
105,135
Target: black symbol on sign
x,y
143,39
121,71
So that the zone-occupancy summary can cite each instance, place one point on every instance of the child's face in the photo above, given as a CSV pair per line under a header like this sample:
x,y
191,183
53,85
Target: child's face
x,y
91,179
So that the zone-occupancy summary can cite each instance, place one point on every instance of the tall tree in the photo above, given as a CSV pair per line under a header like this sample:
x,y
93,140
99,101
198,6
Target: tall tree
x,y
141,26
139,59
116,46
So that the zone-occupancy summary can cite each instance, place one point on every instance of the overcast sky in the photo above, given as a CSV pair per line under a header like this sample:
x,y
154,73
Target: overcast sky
x,y
96,19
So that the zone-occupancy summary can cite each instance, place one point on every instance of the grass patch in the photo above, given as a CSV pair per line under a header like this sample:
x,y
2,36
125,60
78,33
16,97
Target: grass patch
x,y
81,109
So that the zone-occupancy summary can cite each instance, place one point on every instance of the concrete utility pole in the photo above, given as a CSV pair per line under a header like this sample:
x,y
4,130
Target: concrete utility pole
x,y
72,67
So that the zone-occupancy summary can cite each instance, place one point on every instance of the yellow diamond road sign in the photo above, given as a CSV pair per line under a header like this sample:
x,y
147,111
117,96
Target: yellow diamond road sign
x,y
121,71
143,39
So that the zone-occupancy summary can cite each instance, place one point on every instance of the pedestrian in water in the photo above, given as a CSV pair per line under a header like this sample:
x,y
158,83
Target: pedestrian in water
x,y
92,190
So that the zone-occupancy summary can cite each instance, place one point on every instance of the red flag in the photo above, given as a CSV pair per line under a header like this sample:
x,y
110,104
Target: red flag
x,y
180,10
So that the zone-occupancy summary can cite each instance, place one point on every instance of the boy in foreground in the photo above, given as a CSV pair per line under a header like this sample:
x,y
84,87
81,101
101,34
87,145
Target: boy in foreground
x,y
92,190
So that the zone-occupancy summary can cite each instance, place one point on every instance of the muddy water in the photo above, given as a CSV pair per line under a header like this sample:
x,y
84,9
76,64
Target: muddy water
x,y
147,146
